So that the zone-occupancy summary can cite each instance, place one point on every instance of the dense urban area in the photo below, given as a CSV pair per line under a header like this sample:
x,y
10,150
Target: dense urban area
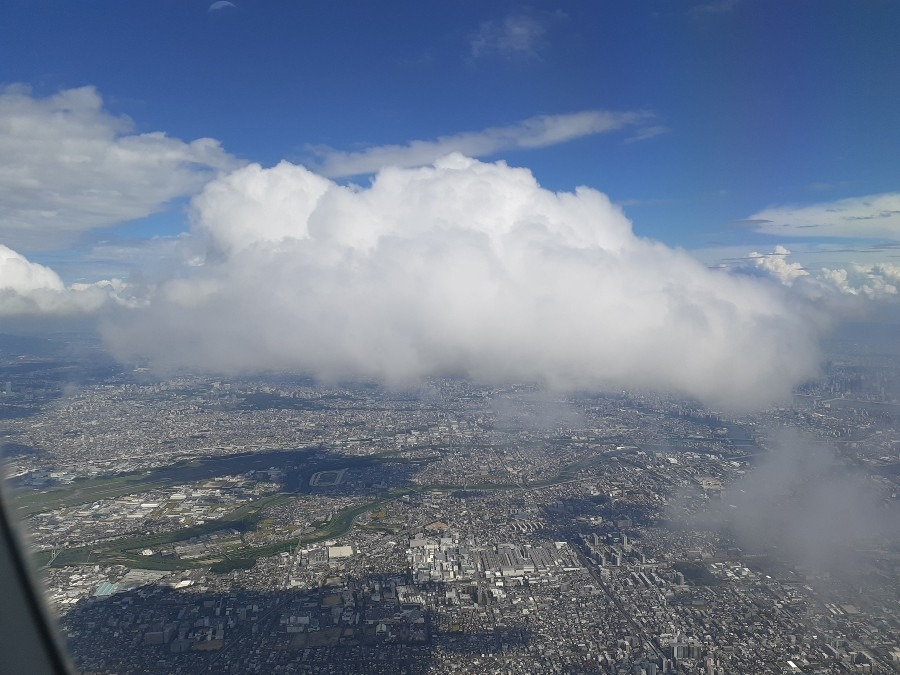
x,y
272,524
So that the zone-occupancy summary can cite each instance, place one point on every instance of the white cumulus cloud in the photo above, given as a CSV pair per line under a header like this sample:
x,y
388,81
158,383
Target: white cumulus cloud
x,y
67,166
28,288
18,274
463,268
872,281
778,265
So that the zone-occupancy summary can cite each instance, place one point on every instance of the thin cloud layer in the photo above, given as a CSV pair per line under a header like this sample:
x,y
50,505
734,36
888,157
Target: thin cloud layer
x,y
535,132
463,268
67,167
804,500
516,36
871,216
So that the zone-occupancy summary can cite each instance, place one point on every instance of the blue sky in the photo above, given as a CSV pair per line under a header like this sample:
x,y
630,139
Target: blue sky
x,y
756,103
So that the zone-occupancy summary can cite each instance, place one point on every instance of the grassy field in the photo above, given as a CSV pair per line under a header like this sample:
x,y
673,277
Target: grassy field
x,y
248,517
82,491
127,551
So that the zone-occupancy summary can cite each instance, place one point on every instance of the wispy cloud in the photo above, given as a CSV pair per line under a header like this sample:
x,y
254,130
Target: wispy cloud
x,y
535,132
821,186
646,133
868,217
221,5
715,7
515,37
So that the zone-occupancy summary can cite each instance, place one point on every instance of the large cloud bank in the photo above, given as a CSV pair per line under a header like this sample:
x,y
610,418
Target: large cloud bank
x,y
67,166
464,268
